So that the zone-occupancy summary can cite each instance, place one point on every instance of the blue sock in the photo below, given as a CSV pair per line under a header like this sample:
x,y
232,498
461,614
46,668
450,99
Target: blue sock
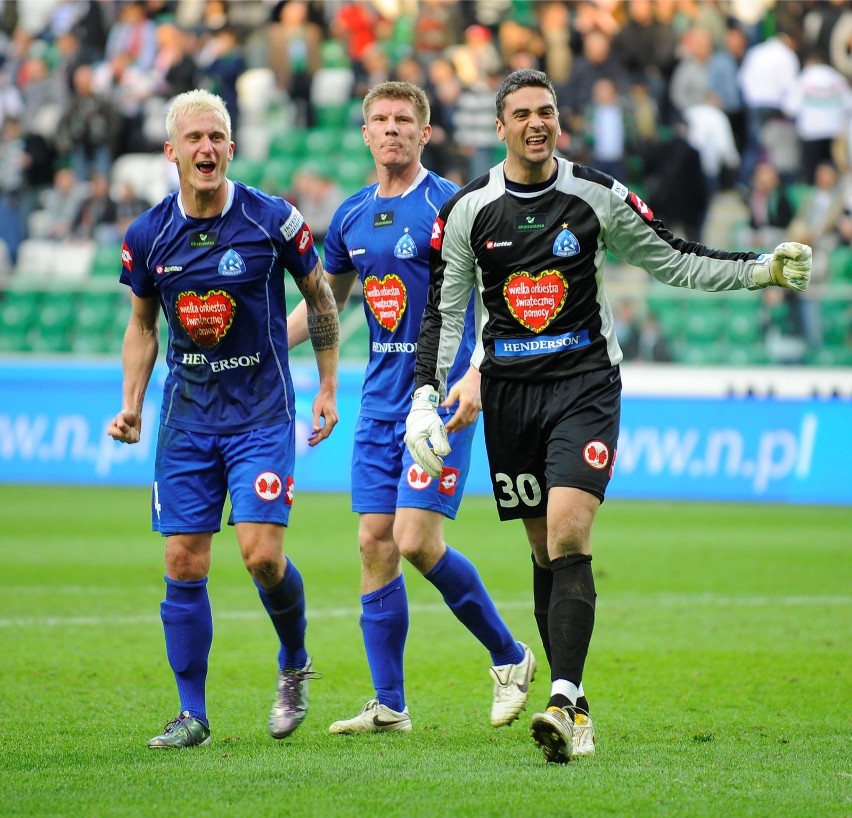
x,y
188,626
384,623
285,604
455,576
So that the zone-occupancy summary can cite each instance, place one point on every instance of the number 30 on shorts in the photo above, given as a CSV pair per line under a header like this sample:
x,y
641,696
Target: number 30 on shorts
x,y
524,489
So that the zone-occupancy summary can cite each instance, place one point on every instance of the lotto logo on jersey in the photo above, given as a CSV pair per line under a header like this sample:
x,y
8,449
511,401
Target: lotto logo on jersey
x,y
437,239
268,486
641,208
417,478
290,491
449,481
126,257
304,240
596,454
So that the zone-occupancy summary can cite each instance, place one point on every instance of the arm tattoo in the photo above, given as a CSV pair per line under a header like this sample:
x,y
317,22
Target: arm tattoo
x,y
324,330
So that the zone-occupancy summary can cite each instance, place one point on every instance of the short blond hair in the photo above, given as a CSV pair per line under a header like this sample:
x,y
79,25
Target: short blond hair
x,y
398,89
194,102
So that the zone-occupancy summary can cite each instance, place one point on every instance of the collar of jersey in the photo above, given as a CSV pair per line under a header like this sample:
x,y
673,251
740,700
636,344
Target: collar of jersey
x,y
417,180
529,191
228,202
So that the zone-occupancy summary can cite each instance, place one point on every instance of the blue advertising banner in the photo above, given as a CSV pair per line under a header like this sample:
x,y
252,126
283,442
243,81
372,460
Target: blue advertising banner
x,y
53,420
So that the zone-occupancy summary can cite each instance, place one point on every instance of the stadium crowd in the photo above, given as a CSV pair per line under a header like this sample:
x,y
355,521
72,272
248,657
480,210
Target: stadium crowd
x,y
692,102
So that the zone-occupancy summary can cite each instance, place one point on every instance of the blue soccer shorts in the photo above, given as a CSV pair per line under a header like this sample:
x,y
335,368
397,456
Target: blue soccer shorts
x,y
194,472
384,476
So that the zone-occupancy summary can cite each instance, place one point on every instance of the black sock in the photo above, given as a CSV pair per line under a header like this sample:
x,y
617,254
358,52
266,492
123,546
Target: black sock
x,y
542,587
571,616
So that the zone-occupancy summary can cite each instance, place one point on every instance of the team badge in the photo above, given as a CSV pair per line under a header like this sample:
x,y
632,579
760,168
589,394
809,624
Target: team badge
x,y
268,486
535,301
448,482
405,248
206,318
231,264
566,243
417,478
387,299
596,454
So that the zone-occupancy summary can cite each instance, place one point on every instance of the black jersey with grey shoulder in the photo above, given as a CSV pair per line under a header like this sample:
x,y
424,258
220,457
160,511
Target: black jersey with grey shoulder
x,y
535,258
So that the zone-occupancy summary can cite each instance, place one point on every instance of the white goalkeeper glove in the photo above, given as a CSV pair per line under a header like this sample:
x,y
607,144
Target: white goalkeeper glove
x,y
789,266
422,427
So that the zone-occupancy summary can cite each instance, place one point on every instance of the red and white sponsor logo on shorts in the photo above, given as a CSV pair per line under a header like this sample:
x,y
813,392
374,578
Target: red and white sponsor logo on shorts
x,y
596,454
612,465
268,485
417,478
126,256
437,235
449,481
291,490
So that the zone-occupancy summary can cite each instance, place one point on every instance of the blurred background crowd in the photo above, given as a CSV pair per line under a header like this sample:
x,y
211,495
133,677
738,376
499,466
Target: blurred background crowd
x,y
731,118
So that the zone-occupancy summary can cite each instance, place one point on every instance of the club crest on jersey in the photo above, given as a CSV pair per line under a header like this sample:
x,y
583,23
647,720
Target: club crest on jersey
x,y
535,300
206,318
387,299
566,243
641,208
268,486
405,247
596,454
231,264
417,478
448,481
383,219
202,239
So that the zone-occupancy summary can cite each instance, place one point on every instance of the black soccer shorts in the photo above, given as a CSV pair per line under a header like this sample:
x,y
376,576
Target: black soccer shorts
x,y
550,433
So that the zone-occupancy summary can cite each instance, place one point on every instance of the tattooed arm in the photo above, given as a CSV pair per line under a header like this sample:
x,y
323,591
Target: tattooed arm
x,y
324,331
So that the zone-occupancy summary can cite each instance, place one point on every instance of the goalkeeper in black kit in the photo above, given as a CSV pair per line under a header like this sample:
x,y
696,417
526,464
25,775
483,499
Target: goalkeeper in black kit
x,y
530,239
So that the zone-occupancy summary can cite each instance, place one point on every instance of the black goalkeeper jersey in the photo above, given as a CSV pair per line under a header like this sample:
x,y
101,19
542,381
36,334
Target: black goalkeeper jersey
x,y
536,257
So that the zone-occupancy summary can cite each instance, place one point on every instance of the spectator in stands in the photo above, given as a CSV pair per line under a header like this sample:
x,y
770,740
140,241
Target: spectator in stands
x,y
690,82
133,36
769,208
476,58
128,205
709,132
14,161
316,195
294,53
88,131
645,47
605,129
767,71
722,71
473,125
594,63
61,202
640,336
44,94
220,64
820,103
95,219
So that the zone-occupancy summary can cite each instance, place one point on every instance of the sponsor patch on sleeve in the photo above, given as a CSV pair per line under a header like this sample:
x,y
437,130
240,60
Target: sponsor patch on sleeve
x,y
437,234
294,221
619,189
126,257
304,240
641,208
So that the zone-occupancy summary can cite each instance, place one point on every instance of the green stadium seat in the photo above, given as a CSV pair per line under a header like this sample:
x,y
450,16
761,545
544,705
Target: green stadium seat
x,y
840,266
323,143
106,262
704,320
246,170
289,143
837,321
743,321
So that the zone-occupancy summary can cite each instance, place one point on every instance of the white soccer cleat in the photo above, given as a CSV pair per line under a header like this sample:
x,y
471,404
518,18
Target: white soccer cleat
x,y
584,735
553,731
512,688
374,718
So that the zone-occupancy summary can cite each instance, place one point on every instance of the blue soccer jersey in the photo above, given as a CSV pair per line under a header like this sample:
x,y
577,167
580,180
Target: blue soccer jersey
x,y
220,282
386,241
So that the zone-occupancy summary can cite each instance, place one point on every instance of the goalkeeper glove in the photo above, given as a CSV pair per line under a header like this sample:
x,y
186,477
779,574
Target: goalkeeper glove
x,y
422,427
789,266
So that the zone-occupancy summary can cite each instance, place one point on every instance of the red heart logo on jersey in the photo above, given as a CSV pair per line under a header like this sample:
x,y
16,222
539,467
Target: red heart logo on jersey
x,y
535,300
206,318
387,299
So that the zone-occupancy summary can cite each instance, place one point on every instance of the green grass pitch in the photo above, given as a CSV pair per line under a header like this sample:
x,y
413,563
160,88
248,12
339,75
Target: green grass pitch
x,y
719,674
